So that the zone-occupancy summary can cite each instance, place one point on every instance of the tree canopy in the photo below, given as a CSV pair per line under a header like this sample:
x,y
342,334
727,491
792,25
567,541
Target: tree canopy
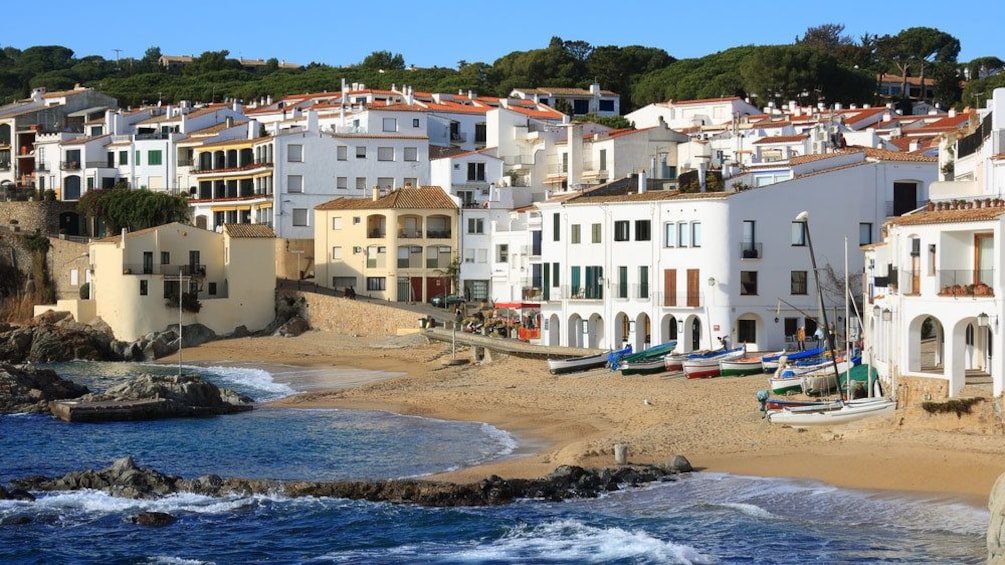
x,y
119,208
829,66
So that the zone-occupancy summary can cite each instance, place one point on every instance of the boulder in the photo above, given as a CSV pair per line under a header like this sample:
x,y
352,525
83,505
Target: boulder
x,y
30,389
54,342
680,464
153,519
293,327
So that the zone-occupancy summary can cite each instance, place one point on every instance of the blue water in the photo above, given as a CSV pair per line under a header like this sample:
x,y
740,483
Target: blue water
x,y
705,518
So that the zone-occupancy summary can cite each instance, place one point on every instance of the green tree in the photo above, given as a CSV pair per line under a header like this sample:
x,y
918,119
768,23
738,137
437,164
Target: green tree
x,y
119,208
383,60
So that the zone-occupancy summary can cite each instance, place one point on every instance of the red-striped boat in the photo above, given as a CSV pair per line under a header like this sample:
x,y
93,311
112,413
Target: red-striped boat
x,y
707,366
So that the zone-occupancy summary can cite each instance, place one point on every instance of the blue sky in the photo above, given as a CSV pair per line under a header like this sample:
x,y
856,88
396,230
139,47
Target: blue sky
x,y
338,32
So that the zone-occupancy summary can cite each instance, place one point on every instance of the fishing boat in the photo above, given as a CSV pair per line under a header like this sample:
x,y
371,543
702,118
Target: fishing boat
x,y
776,403
816,376
654,352
675,361
584,363
644,366
744,365
770,362
707,365
850,411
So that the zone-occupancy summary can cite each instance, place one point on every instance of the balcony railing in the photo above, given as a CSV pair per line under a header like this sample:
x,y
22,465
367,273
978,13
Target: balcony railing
x,y
41,167
98,165
890,204
751,250
68,165
438,234
409,234
569,292
376,233
167,270
531,294
959,282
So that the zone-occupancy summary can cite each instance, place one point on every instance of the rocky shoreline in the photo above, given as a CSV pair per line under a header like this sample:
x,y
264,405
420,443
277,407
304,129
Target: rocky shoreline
x,y
124,479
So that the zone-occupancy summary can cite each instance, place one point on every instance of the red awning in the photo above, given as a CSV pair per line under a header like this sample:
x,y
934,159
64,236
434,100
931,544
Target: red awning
x,y
517,305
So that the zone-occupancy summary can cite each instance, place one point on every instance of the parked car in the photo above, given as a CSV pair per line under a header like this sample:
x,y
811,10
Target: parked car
x,y
441,300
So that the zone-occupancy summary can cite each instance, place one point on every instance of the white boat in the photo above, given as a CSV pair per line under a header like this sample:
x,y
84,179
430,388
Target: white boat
x,y
850,411
707,365
573,364
818,378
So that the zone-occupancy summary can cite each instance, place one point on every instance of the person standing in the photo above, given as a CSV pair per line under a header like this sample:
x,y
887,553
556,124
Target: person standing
x,y
818,335
801,338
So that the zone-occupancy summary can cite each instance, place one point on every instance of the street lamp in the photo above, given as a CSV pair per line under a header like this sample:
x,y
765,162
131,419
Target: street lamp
x,y
804,218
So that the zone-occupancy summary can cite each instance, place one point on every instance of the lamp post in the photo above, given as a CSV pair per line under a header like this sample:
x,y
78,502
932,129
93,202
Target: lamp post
x,y
804,218
181,281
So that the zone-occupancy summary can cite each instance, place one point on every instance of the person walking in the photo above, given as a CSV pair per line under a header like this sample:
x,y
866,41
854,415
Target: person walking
x,y
801,338
819,336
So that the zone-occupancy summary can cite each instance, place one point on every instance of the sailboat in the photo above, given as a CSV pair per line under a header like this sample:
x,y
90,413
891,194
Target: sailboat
x,y
849,410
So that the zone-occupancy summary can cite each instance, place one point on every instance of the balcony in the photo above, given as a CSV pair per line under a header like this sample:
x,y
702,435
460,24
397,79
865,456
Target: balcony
x,y
961,282
679,299
409,234
379,233
68,166
531,294
41,168
458,137
751,250
438,234
98,165
568,292
890,207
5,166
167,270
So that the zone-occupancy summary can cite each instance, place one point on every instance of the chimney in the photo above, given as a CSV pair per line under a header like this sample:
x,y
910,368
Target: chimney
x,y
312,121
229,121
124,232
952,112
252,129
642,182
376,193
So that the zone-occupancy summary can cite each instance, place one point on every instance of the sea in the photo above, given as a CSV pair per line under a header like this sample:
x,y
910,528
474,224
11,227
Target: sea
x,y
701,518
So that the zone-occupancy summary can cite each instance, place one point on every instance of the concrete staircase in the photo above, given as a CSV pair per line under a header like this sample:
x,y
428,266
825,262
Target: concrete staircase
x,y
978,384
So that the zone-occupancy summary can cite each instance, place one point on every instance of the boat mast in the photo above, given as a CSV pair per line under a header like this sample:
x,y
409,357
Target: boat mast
x,y
804,218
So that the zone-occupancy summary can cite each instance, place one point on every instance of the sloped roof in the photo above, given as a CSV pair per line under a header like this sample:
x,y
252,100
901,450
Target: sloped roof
x,y
249,230
949,216
420,198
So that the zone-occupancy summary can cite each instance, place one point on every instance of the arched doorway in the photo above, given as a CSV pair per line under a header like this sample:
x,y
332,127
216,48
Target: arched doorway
x,y
595,333
668,329
643,333
69,223
576,330
693,334
622,331
553,329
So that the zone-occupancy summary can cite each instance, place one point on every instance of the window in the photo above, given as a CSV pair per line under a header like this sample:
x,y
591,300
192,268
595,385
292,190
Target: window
x,y
411,154
356,220
555,270
165,257
300,216
476,171
606,105
153,157
482,255
361,152
410,181
476,225
336,253
123,157
596,233
565,162
385,182
342,183
642,230
644,281
415,122
556,228
603,159
669,234
797,284
136,158
502,253
621,230
575,235
798,234
683,235
212,289
295,154
336,223
696,234
622,282
865,233
144,287
385,153
390,124
469,255
376,283
342,153
748,283
360,183
294,183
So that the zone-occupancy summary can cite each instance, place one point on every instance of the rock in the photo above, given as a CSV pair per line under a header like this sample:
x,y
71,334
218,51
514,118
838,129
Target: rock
x,y
30,389
293,327
15,521
153,519
680,464
996,523
195,334
240,331
16,494
50,317
54,342
123,478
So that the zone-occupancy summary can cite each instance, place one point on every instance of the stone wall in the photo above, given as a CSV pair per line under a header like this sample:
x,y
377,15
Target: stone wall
x,y
31,216
65,257
358,317
984,417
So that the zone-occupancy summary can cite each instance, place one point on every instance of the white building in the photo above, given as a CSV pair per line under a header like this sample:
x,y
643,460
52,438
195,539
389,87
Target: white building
x,y
622,263
578,101
934,323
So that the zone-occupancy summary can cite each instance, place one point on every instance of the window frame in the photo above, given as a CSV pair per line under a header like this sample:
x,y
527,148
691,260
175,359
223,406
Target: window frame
x,y
622,230
298,214
295,153
385,154
748,283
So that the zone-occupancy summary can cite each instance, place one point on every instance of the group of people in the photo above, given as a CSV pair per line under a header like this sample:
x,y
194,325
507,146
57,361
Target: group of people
x,y
349,293
818,336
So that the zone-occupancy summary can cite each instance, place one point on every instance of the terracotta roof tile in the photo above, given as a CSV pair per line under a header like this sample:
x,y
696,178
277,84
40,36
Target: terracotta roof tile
x,y
781,139
249,230
950,216
421,198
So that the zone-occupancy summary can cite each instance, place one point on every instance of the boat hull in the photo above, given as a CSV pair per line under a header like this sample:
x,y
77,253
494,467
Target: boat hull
x,y
785,385
645,367
560,366
708,367
851,411
740,368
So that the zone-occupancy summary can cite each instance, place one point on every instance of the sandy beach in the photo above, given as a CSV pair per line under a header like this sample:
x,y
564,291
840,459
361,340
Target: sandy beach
x,y
578,418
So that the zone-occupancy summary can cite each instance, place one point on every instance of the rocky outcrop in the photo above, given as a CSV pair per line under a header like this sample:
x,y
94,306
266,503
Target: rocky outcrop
x,y
153,519
150,397
996,523
30,389
293,327
124,479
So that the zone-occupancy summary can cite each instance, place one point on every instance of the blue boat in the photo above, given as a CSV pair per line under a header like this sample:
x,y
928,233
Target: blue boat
x,y
657,351
770,363
586,362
